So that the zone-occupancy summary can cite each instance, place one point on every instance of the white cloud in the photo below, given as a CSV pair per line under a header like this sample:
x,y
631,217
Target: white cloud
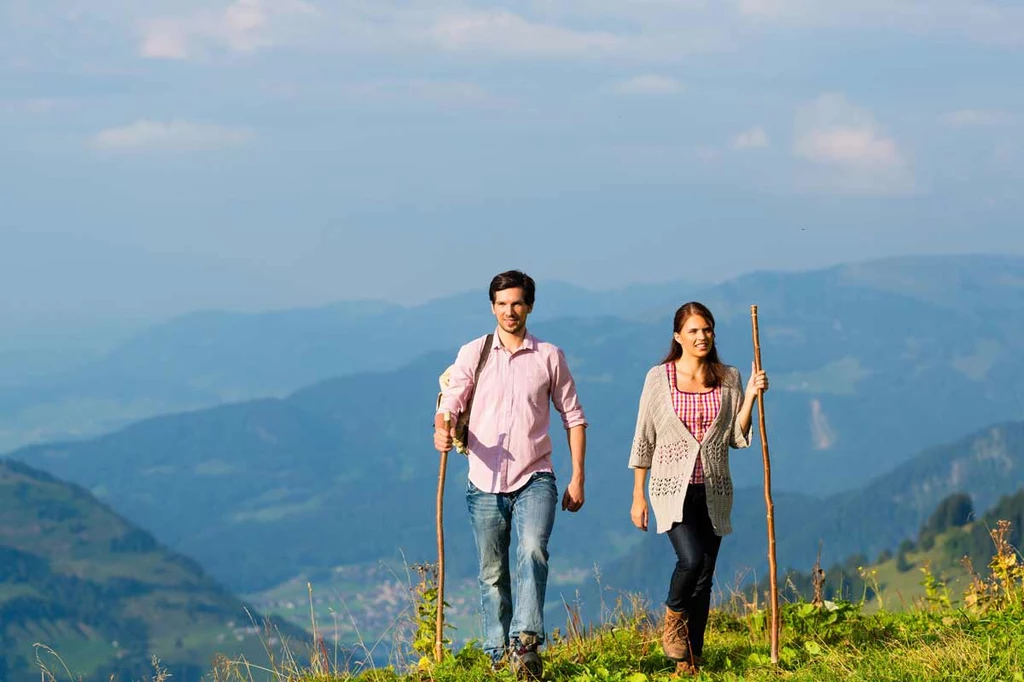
x,y
755,138
379,26
242,26
500,31
848,151
165,39
647,31
995,22
644,30
648,84
177,135
969,118
848,147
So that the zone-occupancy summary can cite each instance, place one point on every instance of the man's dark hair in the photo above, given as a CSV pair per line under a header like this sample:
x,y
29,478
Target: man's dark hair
x,y
513,279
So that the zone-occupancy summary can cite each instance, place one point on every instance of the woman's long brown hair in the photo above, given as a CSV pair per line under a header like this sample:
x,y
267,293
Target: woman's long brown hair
x,y
713,370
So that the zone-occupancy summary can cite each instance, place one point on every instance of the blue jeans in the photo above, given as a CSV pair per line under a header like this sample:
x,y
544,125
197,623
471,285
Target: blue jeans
x,y
696,547
531,509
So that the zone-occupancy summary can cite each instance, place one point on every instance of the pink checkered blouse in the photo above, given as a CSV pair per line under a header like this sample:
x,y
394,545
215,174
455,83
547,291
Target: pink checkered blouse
x,y
697,411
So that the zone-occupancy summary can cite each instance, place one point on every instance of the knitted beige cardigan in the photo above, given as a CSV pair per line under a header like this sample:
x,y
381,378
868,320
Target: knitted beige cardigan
x,y
665,446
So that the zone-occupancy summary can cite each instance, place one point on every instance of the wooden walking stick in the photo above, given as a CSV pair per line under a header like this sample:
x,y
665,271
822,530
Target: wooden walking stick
x,y
772,568
439,634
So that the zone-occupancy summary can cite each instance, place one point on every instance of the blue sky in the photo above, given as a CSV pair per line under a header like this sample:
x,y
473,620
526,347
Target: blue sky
x,y
161,157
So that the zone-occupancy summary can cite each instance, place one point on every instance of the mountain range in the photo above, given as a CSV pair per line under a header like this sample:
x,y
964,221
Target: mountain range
x,y
870,364
207,358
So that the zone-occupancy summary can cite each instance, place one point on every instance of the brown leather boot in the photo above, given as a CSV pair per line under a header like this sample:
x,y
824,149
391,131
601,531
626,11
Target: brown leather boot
x,y
684,669
674,640
689,667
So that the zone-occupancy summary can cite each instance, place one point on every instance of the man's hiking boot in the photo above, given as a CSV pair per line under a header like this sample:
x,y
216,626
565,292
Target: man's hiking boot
x,y
523,657
675,636
498,662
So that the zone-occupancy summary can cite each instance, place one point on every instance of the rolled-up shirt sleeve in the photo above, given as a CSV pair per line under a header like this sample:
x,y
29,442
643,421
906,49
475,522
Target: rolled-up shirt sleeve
x,y
460,382
564,396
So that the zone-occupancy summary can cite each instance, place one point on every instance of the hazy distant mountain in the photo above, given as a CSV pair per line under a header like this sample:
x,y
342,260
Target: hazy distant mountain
x,y
343,472
104,594
38,351
207,358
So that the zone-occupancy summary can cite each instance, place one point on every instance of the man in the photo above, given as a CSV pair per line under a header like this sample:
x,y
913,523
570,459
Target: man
x,y
511,481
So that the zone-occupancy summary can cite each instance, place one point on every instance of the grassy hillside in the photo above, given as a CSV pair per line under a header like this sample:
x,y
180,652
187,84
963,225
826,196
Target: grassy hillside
x,y
367,593
888,633
867,521
102,592
933,564
926,639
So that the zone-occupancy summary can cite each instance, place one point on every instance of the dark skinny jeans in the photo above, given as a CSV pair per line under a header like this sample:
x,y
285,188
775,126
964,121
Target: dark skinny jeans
x,y
696,547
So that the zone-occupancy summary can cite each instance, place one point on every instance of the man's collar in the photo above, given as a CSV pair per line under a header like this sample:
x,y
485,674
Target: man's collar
x,y
529,341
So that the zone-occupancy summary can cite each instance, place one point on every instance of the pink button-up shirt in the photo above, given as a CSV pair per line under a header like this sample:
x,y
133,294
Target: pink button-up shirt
x,y
508,427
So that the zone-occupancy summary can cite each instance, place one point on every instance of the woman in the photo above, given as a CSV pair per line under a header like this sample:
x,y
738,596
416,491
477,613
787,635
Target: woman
x,y
692,410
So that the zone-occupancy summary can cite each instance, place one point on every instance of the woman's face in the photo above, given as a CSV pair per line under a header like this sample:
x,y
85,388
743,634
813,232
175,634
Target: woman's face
x,y
696,336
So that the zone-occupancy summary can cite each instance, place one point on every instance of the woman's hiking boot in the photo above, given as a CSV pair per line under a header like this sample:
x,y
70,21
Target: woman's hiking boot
x,y
689,667
675,641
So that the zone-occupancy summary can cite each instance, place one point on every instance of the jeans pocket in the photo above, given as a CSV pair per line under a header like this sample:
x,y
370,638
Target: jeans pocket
x,y
472,492
544,480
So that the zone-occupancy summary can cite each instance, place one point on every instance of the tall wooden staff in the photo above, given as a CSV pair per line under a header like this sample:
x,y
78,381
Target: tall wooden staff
x,y
439,625
772,568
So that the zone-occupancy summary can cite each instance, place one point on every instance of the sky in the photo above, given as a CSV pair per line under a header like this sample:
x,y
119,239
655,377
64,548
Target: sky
x,y
160,157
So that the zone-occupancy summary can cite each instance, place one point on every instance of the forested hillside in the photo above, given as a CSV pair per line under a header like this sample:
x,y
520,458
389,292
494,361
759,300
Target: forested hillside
x,y
104,593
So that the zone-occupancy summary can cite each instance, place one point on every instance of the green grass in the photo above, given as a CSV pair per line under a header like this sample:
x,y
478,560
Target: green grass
x,y
363,605
917,644
934,637
974,634
81,654
900,589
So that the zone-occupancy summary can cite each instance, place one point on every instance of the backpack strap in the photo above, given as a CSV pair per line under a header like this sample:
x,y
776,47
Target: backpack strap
x,y
462,425
484,352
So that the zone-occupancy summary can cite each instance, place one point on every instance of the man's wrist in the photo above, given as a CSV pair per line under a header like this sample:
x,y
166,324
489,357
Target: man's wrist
x,y
439,420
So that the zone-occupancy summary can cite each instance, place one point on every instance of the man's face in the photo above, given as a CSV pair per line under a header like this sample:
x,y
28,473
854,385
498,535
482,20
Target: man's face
x,y
511,310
